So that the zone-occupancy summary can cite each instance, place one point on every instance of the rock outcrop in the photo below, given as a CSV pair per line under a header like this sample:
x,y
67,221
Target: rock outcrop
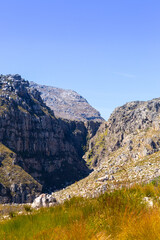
x,y
67,104
44,200
135,126
39,152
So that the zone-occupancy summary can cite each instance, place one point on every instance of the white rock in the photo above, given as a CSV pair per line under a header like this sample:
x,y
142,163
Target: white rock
x,y
44,200
111,177
102,179
149,201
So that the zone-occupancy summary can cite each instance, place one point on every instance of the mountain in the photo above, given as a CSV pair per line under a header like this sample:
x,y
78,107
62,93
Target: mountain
x,y
67,104
124,151
42,153
38,152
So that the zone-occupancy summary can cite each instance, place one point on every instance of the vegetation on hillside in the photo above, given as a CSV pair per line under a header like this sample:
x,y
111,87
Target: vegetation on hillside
x,y
120,215
12,174
98,147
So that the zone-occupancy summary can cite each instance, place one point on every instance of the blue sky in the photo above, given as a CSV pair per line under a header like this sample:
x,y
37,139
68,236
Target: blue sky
x,y
106,50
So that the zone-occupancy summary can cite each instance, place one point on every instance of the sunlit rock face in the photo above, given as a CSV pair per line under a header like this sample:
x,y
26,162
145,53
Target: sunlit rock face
x,y
48,150
67,104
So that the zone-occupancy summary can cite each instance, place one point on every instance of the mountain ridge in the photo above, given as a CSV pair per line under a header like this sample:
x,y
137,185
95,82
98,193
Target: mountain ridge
x,y
67,104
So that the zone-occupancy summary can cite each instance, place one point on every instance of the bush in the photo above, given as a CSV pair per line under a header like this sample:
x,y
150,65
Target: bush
x,y
28,208
12,214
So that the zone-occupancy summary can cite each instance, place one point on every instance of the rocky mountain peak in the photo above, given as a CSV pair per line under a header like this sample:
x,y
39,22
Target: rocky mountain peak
x,y
67,104
134,116
12,82
16,85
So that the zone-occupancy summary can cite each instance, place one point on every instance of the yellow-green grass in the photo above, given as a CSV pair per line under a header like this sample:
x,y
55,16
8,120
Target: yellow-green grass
x,y
119,215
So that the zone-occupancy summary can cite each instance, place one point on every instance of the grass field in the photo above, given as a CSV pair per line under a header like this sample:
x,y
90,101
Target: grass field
x,y
119,215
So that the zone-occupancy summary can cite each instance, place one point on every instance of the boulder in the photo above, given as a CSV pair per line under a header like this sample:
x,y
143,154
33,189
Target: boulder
x,y
44,200
102,179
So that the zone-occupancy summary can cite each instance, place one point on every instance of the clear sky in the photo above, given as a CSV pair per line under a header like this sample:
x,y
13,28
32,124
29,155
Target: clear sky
x,y
106,50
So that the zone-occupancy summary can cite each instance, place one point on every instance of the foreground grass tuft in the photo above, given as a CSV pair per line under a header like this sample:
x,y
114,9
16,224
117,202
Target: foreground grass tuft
x,y
119,215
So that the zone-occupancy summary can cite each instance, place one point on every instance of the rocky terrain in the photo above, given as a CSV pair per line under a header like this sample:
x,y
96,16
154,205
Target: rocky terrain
x,y
38,152
67,104
124,151
41,153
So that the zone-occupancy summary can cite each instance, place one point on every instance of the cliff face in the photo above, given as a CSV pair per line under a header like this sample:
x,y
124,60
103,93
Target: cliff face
x,y
67,104
129,142
45,153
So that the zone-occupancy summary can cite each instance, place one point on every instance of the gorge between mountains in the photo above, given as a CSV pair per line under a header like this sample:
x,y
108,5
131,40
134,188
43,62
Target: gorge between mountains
x,y
53,141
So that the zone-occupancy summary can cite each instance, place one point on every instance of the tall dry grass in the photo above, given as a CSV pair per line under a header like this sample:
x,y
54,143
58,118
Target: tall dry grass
x,y
119,215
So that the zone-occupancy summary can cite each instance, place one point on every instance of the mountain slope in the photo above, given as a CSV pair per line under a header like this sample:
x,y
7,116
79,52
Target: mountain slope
x,y
124,151
67,104
40,151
